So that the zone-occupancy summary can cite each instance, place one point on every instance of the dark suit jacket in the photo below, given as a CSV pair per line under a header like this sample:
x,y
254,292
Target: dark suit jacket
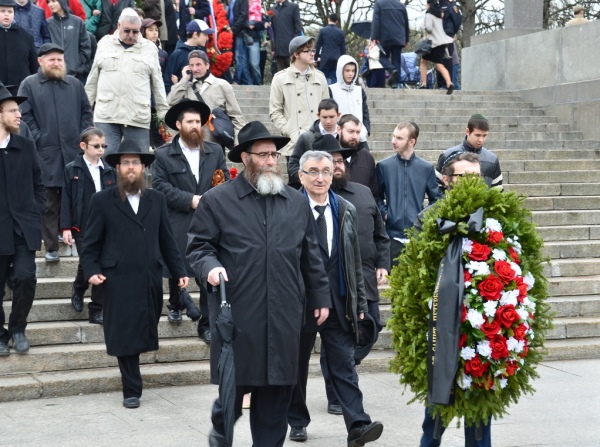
x,y
130,250
390,23
331,44
172,175
23,194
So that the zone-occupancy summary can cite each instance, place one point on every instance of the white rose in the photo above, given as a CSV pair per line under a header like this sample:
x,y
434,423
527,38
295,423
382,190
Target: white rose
x,y
484,349
464,381
516,268
498,255
490,308
467,353
467,245
509,297
492,224
515,345
475,318
529,280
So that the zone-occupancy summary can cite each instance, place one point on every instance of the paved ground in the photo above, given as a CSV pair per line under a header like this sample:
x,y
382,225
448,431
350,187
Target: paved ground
x,y
564,412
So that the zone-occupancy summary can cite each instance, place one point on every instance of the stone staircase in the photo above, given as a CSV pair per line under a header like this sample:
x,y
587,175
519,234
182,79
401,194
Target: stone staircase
x,y
543,159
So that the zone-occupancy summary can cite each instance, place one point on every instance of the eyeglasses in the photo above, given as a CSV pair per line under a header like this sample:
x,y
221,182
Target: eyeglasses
x,y
339,161
265,155
308,51
129,31
465,173
13,111
130,163
314,174
97,146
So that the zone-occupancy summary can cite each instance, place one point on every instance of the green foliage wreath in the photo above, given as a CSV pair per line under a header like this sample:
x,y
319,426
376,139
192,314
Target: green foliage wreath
x,y
412,285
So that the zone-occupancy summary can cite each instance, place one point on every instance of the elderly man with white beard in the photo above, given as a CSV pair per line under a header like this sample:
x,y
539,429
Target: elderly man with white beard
x,y
260,235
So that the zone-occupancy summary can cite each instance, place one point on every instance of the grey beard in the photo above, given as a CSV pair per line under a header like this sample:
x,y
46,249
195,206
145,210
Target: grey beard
x,y
269,184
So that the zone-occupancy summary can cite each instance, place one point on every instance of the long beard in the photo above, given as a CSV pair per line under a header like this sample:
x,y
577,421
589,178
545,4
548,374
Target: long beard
x,y
267,180
56,74
193,138
339,183
131,187
347,144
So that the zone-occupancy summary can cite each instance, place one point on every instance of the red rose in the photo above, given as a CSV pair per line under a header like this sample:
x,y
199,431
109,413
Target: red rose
x,y
462,341
504,271
487,382
465,312
475,367
491,329
514,255
499,348
524,352
479,252
495,237
511,367
520,332
522,288
490,288
507,315
467,276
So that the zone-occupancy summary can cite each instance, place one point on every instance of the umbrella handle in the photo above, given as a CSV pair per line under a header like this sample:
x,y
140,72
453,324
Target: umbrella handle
x,y
222,290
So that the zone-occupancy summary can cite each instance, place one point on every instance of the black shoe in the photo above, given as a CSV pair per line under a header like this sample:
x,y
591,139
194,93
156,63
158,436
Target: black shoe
x,y
359,436
334,409
52,256
204,334
393,80
423,87
298,434
76,300
20,343
174,316
4,350
97,318
131,402
216,439
450,90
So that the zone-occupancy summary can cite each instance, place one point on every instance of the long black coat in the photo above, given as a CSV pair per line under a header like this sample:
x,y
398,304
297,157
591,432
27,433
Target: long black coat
x,y
130,250
18,56
372,238
331,44
172,175
22,194
268,246
56,112
390,23
286,25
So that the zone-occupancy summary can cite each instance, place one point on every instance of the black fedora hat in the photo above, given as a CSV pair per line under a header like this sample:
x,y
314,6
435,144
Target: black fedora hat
x,y
185,104
367,336
129,147
5,96
252,132
329,143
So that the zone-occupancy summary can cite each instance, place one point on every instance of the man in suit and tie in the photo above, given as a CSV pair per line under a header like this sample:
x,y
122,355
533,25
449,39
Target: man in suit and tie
x,y
128,240
183,171
338,238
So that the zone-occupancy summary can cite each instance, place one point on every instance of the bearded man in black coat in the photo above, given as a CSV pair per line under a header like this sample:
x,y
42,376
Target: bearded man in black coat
x,y
127,241
21,208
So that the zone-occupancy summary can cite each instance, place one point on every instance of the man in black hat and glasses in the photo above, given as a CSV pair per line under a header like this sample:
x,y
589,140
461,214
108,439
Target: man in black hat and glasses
x,y
127,236
21,208
260,235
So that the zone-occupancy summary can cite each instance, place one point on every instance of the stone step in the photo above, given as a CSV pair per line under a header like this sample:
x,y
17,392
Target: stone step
x,y
441,145
573,348
554,189
572,268
563,203
580,176
458,134
574,286
401,105
570,232
572,249
581,217
575,306
432,128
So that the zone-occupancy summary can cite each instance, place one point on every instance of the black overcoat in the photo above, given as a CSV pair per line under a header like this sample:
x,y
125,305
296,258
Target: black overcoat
x,y
25,194
18,56
390,23
286,25
130,249
172,175
56,113
372,238
268,246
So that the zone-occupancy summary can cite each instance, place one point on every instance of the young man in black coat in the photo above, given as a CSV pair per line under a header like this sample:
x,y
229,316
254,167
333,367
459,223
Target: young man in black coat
x,y
286,25
21,208
128,240
331,44
183,171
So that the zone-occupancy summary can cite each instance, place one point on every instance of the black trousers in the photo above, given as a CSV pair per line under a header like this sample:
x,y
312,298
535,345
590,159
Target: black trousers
x,y
339,345
81,285
174,301
396,249
131,377
21,268
268,408
51,217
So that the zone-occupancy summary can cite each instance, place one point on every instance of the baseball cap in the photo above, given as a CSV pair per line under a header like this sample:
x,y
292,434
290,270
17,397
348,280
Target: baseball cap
x,y
198,26
198,53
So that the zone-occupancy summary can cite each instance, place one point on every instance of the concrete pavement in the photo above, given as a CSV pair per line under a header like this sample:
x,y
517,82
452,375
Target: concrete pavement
x,y
565,411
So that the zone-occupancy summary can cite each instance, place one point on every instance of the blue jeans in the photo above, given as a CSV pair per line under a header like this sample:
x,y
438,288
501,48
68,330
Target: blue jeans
x,y
455,70
254,63
470,441
330,75
242,75
116,132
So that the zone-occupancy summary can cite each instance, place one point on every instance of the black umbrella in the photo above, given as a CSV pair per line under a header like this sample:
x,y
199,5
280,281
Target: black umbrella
x,y
361,29
225,331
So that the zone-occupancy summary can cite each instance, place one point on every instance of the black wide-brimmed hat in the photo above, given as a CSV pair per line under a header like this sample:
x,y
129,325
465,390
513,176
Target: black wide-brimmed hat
x,y
252,132
129,147
5,96
329,143
367,336
184,104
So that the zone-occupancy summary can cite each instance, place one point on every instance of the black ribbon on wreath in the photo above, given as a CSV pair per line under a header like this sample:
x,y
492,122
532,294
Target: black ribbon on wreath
x,y
445,317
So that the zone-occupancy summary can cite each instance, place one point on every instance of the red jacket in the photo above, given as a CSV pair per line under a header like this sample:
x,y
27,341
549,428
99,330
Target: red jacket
x,y
74,6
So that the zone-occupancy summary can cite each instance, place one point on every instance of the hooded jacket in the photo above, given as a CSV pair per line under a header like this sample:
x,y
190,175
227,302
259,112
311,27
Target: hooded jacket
x,y
70,33
33,19
351,98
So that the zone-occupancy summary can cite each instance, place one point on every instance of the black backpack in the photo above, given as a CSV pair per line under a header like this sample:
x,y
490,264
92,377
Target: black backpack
x,y
219,123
